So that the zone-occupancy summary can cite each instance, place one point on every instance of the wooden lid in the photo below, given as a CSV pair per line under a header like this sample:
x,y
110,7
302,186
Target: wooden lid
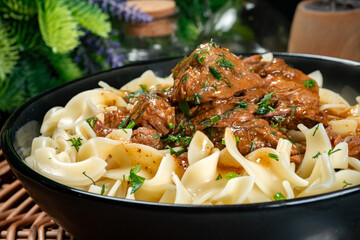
x,y
155,9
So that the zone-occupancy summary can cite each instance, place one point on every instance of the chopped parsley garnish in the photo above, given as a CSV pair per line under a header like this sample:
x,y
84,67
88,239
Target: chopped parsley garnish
x,y
316,155
218,177
184,107
252,146
102,189
309,83
243,105
176,153
206,86
274,156
278,196
88,177
123,122
185,78
135,180
346,184
214,86
225,63
91,121
171,125
331,151
293,108
144,87
197,98
216,73
231,175
131,124
155,136
279,120
200,56
182,60
273,133
223,141
215,118
212,43
264,107
76,142
317,127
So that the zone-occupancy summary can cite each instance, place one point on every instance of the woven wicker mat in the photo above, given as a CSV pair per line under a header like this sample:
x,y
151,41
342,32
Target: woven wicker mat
x,y
20,216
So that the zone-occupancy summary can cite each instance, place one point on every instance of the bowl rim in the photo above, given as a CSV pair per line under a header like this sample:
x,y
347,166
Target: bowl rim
x,y
18,164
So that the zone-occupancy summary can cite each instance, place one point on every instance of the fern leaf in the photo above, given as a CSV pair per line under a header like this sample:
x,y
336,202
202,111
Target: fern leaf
x,y
12,94
90,17
18,9
64,67
58,28
9,52
23,32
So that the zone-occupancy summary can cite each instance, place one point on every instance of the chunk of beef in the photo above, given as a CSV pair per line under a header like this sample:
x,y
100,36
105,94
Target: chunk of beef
x,y
352,141
153,111
147,136
112,119
258,133
220,113
211,73
295,100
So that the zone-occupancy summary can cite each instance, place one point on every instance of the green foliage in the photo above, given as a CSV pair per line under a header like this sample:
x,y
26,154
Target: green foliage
x,y
18,9
90,17
58,27
64,66
36,40
9,52
23,32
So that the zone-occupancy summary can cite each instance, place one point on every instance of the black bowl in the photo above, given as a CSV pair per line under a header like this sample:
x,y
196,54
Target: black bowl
x,y
334,215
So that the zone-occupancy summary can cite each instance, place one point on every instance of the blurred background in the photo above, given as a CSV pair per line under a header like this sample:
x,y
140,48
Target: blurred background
x,y
44,43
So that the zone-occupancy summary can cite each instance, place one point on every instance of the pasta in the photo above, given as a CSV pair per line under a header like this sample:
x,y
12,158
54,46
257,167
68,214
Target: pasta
x,y
73,150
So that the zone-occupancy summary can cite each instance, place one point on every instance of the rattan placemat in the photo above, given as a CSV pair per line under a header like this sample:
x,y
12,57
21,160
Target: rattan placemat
x,y
20,216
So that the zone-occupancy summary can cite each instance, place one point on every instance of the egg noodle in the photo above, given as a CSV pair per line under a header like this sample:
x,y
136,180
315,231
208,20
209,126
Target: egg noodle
x,y
69,152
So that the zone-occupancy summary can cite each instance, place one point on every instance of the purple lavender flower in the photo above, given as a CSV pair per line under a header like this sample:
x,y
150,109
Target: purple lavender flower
x,y
92,44
120,9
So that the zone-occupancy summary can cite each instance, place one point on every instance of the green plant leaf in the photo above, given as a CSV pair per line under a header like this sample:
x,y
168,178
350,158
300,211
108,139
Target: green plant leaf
x,y
12,94
18,9
9,52
58,27
26,33
64,66
90,17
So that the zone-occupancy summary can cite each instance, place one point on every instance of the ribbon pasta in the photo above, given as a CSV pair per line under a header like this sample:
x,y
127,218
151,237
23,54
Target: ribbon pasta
x,y
105,165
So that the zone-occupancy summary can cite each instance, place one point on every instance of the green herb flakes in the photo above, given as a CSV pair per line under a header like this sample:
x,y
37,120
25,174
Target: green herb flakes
x,y
264,107
184,107
317,127
218,177
231,175
76,143
274,156
278,196
84,172
309,83
185,78
346,184
331,151
92,121
135,180
102,189
215,73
